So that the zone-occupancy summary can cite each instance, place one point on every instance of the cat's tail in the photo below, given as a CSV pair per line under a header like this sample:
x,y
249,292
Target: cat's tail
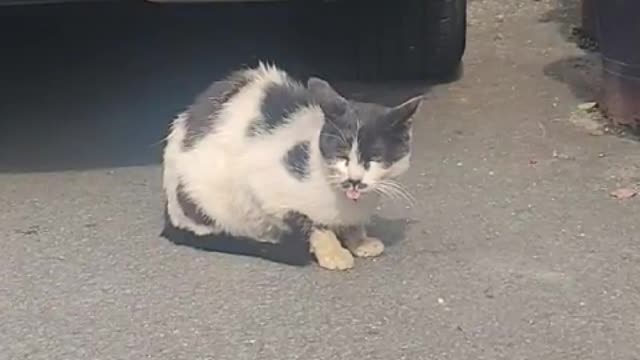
x,y
293,249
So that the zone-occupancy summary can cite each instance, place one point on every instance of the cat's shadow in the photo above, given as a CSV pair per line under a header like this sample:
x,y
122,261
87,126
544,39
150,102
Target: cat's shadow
x,y
389,231
290,250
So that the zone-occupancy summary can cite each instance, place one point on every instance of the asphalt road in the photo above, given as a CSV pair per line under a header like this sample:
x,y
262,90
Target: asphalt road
x,y
513,250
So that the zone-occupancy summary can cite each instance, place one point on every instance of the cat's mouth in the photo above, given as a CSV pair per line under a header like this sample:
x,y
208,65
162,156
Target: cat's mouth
x,y
353,194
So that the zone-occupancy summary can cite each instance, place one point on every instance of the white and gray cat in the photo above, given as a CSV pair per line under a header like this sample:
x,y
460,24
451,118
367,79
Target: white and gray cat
x,y
262,160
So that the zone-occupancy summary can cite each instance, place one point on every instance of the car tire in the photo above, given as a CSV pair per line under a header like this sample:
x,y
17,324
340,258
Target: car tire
x,y
409,39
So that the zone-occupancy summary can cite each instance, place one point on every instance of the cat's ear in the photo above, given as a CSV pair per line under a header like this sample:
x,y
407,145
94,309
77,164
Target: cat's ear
x,y
403,113
325,95
322,89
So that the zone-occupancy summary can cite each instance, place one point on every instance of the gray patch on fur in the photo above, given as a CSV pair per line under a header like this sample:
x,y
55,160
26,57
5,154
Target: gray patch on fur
x,y
280,101
382,133
383,140
299,223
296,160
190,209
201,116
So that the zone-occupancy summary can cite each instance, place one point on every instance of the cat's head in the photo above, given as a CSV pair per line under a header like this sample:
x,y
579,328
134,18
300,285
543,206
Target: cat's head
x,y
363,145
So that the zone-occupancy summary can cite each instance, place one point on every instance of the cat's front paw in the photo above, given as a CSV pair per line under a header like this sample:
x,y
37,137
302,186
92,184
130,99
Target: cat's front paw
x,y
336,258
367,247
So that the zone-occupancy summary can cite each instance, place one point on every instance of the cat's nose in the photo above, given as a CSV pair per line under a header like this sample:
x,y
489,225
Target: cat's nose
x,y
355,183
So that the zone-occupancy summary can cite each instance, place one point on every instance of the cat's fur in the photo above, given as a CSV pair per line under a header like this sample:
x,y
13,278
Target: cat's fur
x,y
260,160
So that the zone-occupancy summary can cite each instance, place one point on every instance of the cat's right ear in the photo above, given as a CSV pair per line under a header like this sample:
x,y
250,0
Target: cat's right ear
x,y
322,89
325,95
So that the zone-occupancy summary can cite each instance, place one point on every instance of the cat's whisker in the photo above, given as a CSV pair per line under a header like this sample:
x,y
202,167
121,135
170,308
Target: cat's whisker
x,y
384,191
333,136
395,184
403,192
334,180
380,191
395,196
401,196
340,132
398,190
408,197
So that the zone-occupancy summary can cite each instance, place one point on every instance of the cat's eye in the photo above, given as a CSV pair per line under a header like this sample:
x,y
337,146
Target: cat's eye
x,y
343,158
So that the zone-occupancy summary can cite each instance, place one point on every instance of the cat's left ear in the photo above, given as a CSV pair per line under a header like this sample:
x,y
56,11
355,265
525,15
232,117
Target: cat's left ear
x,y
403,113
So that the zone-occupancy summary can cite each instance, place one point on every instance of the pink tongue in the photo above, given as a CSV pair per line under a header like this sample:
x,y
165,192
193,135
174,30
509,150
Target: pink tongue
x,y
353,194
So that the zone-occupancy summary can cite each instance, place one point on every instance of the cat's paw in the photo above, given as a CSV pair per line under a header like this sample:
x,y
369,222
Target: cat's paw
x,y
367,247
336,258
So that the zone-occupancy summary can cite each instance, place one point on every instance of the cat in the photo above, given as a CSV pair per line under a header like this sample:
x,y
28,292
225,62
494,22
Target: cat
x,y
262,165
